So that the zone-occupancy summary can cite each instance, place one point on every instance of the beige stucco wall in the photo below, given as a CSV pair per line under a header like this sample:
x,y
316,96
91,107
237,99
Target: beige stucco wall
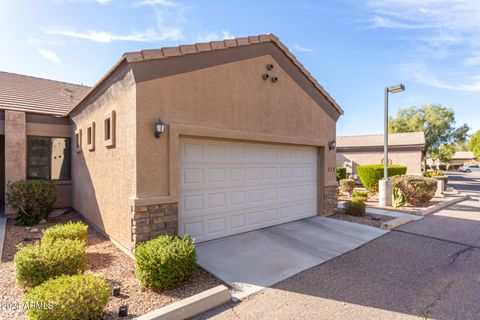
x,y
229,101
104,179
410,158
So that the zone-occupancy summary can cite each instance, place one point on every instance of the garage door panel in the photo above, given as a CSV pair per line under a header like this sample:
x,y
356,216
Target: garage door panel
x,y
230,187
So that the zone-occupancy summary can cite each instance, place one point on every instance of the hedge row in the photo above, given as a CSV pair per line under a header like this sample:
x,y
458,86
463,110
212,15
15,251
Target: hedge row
x,y
371,173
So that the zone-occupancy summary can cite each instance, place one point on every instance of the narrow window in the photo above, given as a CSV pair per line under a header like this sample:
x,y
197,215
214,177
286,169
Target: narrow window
x,y
91,136
78,140
109,129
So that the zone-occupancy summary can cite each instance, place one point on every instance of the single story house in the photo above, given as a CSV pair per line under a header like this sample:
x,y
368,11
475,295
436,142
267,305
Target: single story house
x,y
403,149
461,158
211,139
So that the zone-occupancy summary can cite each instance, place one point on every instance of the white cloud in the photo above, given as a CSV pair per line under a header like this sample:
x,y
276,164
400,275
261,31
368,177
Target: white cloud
x,y
149,35
49,55
439,38
167,3
472,60
299,48
215,35
96,1
422,74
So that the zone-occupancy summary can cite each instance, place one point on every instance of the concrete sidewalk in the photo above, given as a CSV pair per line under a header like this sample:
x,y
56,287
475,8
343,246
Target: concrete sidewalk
x,y
251,261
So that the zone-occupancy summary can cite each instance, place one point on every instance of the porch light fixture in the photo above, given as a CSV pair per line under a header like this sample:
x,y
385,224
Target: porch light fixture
x,y
332,144
159,128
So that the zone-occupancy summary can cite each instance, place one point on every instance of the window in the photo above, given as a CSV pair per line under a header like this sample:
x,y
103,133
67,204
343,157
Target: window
x,y
109,129
91,136
48,158
78,140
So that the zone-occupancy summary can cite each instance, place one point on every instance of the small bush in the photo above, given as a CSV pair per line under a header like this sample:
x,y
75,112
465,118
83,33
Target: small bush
x,y
69,297
33,200
347,185
70,230
165,262
341,173
355,207
360,194
398,198
417,190
370,174
36,263
433,173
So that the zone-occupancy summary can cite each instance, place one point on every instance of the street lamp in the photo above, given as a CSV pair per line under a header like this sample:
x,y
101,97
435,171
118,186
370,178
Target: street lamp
x,y
385,188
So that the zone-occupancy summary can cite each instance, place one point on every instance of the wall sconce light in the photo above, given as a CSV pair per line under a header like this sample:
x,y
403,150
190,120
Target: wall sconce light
x,y
332,144
159,128
265,76
269,66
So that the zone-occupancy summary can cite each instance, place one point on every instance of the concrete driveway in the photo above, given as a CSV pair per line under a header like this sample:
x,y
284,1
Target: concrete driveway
x,y
251,261
427,269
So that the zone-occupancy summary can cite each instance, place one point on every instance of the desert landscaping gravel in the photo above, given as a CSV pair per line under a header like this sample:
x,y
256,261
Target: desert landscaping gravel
x,y
103,258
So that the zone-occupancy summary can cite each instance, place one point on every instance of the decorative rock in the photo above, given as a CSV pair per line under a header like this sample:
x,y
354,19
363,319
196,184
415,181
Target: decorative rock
x,y
36,236
43,221
34,230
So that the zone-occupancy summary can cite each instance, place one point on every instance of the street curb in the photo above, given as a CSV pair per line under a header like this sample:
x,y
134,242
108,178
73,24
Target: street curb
x,y
442,205
191,306
396,222
3,226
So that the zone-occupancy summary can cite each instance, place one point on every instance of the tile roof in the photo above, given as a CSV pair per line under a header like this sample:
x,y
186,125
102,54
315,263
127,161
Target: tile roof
x,y
183,50
37,95
376,140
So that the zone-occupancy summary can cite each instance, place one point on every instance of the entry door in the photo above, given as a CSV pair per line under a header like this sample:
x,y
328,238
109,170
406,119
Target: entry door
x,y
229,187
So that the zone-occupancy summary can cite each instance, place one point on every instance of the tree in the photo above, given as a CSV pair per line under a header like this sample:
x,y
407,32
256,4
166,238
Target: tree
x,y
474,144
444,153
436,121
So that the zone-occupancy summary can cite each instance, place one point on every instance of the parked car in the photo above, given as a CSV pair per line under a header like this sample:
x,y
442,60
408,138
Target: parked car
x,y
475,168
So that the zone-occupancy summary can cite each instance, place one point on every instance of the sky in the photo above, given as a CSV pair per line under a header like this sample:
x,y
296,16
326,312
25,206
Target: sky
x,y
354,48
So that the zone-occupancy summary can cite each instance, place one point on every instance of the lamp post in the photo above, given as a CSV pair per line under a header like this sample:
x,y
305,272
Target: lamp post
x,y
385,187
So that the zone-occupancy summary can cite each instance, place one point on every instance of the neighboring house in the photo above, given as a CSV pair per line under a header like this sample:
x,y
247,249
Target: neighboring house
x,y
35,131
246,143
403,149
461,158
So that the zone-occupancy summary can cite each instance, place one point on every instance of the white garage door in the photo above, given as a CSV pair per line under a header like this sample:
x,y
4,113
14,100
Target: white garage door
x,y
231,187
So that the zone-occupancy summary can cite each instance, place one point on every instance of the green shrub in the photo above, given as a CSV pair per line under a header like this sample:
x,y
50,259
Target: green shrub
x,y
165,262
433,173
82,296
36,263
398,198
70,230
347,185
417,190
360,194
355,207
370,174
33,200
341,173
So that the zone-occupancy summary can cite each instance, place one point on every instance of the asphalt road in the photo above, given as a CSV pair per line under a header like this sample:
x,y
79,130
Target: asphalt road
x,y
428,269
